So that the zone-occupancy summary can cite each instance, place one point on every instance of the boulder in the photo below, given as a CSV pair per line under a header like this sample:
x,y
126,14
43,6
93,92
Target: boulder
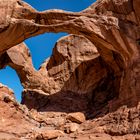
x,y
77,117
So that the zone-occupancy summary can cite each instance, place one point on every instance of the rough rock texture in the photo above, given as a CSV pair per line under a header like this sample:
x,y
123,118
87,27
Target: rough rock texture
x,y
5,90
113,27
15,121
96,71
65,75
19,58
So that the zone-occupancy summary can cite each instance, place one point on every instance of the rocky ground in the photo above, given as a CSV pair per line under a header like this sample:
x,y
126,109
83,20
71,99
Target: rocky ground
x,y
20,123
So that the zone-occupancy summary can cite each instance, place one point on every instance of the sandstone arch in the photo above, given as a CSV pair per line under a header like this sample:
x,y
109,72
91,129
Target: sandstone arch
x,y
113,28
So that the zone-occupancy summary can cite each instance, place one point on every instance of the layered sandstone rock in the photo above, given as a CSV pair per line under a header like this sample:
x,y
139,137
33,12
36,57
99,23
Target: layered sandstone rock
x,y
72,73
96,71
113,27
15,121
5,90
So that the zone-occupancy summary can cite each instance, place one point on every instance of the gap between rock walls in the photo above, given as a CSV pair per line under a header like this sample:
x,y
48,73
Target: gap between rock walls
x,y
46,42
9,77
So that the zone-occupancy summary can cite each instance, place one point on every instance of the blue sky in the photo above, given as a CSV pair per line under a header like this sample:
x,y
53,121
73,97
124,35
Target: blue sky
x,y
41,46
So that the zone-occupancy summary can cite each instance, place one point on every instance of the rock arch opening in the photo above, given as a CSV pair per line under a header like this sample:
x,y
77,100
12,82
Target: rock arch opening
x,y
14,60
9,77
77,75
107,30
41,47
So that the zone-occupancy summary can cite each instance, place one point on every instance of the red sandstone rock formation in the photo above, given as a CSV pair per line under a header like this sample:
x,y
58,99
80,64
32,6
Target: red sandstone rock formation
x,y
97,73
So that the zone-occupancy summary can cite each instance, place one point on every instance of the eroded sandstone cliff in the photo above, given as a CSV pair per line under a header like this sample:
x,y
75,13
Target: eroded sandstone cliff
x,y
95,72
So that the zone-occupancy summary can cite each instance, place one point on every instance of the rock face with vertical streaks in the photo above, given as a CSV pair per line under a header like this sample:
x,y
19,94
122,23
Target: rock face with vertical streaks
x,y
95,71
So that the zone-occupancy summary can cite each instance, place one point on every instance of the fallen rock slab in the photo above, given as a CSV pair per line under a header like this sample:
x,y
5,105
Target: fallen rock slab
x,y
49,134
71,127
77,117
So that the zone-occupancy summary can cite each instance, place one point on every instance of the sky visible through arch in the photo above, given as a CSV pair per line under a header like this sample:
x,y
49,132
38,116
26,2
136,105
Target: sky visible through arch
x,y
41,46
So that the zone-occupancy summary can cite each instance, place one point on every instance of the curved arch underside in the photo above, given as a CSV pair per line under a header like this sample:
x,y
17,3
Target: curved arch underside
x,y
111,26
